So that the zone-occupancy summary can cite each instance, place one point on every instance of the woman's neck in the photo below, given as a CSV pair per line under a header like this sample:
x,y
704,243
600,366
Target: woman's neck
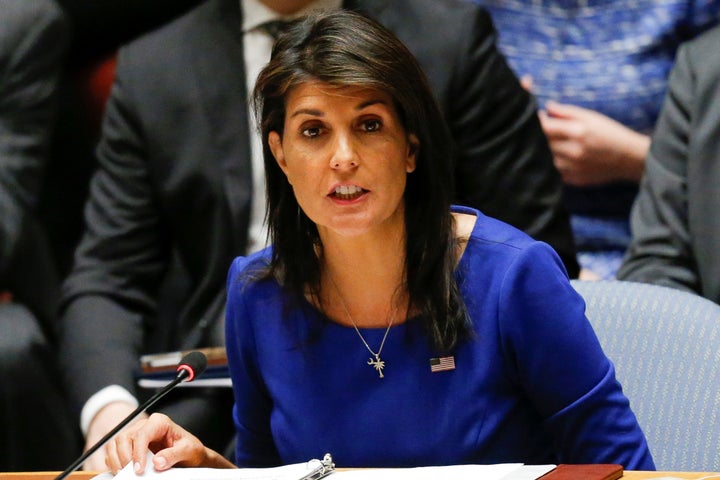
x,y
363,280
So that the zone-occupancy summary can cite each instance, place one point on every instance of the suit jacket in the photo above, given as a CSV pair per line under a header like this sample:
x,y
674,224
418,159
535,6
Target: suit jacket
x,y
100,26
33,37
174,163
97,29
675,221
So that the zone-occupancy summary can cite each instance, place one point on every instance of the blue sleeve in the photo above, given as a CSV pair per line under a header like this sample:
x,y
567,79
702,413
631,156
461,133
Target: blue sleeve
x,y
561,366
251,411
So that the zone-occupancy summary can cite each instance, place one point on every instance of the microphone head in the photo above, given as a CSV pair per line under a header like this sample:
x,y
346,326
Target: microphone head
x,y
192,365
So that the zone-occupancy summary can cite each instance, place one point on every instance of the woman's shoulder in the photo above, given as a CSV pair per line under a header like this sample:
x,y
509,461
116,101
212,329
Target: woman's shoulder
x,y
489,230
246,270
259,260
494,245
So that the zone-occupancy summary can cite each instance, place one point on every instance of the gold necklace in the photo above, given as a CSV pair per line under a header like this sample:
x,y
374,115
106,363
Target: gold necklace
x,y
377,363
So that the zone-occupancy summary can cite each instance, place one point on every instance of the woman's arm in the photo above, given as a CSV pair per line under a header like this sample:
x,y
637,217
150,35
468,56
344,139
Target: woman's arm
x,y
561,366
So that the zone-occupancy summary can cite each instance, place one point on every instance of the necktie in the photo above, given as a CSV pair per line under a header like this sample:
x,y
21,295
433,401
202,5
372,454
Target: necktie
x,y
274,27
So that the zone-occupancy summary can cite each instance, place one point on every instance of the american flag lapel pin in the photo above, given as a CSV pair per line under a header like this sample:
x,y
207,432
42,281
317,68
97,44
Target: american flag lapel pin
x,y
442,364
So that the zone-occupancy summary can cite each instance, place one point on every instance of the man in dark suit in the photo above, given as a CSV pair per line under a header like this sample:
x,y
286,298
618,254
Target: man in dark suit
x,y
42,43
37,432
177,188
97,29
675,221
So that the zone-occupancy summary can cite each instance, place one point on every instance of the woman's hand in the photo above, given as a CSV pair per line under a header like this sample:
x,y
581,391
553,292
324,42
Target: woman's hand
x,y
590,148
104,421
171,444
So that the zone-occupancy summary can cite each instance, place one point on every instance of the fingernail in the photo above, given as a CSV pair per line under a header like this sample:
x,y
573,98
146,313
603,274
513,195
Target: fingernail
x,y
160,462
137,467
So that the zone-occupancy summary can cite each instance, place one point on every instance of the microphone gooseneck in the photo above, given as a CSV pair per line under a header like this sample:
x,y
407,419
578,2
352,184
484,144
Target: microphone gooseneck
x,y
190,367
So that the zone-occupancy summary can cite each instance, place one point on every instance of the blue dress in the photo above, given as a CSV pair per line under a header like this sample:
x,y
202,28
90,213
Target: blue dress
x,y
532,385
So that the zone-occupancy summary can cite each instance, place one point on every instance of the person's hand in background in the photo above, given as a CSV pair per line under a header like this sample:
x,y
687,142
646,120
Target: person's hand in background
x,y
590,148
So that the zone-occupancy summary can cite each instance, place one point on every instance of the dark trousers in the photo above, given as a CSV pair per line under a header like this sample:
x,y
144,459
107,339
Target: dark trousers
x,y
38,432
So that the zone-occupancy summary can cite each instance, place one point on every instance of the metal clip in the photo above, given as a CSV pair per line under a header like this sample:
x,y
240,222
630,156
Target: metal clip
x,y
325,468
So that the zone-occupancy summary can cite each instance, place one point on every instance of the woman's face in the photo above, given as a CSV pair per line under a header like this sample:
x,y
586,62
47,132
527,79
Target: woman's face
x,y
346,155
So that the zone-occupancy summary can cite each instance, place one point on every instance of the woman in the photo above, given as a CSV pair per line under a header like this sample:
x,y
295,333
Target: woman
x,y
383,326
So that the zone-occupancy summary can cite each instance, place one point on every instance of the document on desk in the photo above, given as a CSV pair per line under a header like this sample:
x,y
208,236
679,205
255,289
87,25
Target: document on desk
x,y
310,470
316,469
504,471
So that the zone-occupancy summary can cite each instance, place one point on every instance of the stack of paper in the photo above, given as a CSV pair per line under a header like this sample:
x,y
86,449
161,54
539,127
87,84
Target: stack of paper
x,y
309,470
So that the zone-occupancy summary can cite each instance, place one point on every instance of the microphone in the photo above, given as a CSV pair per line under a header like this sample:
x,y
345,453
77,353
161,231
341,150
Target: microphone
x,y
191,366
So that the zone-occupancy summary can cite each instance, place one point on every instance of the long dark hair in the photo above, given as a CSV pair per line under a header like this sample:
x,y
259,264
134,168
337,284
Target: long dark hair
x,y
343,48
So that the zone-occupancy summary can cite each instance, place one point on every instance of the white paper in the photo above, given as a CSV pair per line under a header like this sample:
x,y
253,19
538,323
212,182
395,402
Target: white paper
x,y
103,476
294,471
529,472
199,382
503,471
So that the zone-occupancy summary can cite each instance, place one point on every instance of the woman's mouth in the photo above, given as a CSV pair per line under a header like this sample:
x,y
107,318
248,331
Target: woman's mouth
x,y
347,192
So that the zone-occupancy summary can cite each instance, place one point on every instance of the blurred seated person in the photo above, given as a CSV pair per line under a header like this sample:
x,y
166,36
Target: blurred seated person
x,y
42,43
372,273
675,226
599,71
180,185
33,412
97,29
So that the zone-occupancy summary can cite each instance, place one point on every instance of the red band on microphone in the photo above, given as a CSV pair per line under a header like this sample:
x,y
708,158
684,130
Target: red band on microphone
x,y
189,370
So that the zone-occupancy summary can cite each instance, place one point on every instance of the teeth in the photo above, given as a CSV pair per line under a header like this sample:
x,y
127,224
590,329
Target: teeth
x,y
348,190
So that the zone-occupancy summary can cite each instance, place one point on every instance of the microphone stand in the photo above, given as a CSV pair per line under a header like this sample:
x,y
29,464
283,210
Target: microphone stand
x,y
182,375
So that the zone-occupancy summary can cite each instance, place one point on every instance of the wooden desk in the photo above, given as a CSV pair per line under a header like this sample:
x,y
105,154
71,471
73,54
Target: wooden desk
x,y
44,475
628,475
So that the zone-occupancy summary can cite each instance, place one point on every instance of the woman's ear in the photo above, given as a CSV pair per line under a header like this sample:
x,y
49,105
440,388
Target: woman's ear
x,y
413,149
275,144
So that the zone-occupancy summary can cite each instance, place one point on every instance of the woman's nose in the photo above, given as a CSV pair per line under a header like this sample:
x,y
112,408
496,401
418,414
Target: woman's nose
x,y
344,153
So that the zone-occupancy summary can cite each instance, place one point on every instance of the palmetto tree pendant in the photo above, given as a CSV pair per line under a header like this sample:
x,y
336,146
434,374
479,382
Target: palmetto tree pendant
x,y
377,364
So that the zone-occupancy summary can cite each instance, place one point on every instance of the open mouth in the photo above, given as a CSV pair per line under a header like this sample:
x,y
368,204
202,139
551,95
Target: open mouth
x,y
347,192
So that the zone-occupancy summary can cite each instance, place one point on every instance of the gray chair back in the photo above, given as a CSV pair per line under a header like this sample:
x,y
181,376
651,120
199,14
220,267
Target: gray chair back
x,y
665,345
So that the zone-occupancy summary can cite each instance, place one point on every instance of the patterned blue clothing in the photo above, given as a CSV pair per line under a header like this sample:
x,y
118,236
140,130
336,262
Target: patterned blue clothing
x,y
610,56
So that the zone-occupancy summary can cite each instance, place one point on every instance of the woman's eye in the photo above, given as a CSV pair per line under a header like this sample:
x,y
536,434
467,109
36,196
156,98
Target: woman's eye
x,y
372,125
311,132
